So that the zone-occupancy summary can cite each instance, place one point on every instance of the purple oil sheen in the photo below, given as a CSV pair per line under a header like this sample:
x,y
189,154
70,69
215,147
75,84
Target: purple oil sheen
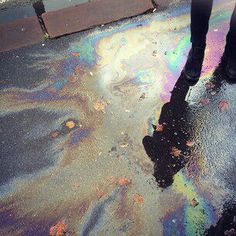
x,y
78,135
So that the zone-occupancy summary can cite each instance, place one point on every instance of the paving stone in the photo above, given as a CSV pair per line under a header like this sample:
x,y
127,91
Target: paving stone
x,y
20,33
162,4
86,15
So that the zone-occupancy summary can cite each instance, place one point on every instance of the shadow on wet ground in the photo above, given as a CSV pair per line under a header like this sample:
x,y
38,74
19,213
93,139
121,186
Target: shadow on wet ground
x,y
170,145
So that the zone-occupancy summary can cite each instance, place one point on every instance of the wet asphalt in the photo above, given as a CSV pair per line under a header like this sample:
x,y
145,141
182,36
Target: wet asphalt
x,y
181,164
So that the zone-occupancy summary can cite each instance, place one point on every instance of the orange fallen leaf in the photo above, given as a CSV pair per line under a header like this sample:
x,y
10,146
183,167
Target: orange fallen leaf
x,y
159,128
175,152
205,101
223,105
76,54
190,143
72,79
70,124
100,105
124,144
138,198
59,229
194,202
54,134
77,70
123,181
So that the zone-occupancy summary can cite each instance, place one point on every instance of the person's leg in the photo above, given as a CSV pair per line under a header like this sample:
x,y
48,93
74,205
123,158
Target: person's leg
x,y
231,36
230,48
39,8
200,15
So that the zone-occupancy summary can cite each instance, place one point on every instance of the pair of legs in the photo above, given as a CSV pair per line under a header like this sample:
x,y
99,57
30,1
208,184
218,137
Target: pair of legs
x,y
200,15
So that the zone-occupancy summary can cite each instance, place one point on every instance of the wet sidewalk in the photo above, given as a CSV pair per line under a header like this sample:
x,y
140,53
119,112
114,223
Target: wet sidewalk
x,y
74,114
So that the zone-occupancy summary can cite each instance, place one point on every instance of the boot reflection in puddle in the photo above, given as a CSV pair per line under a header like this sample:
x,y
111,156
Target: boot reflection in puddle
x,y
169,145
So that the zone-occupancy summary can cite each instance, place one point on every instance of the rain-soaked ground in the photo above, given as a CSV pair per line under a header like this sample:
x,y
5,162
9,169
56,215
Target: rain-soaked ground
x,y
76,111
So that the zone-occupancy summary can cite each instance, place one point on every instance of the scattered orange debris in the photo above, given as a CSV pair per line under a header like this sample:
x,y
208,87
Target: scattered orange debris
x,y
223,105
159,128
77,70
175,152
70,124
59,229
138,198
190,143
76,54
123,181
72,79
100,105
194,202
54,134
124,144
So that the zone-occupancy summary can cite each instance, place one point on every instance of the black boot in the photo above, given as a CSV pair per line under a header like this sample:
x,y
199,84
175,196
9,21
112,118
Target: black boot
x,y
229,62
231,68
193,66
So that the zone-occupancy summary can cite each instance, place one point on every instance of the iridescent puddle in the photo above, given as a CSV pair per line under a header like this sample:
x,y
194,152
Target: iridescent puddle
x,y
74,115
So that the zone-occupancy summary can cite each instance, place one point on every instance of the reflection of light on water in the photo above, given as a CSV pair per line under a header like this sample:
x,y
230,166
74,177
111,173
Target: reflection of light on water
x,y
200,217
177,59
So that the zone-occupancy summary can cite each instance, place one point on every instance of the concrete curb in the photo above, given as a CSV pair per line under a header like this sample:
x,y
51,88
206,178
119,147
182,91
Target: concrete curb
x,y
28,31
87,15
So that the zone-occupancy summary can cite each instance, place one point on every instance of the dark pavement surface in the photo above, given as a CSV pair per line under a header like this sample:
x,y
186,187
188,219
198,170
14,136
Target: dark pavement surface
x,y
20,33
45,24
74,114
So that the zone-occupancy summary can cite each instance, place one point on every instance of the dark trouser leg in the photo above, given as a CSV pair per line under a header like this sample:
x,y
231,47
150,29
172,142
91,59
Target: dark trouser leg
x,y
39,8
200,15
231,36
